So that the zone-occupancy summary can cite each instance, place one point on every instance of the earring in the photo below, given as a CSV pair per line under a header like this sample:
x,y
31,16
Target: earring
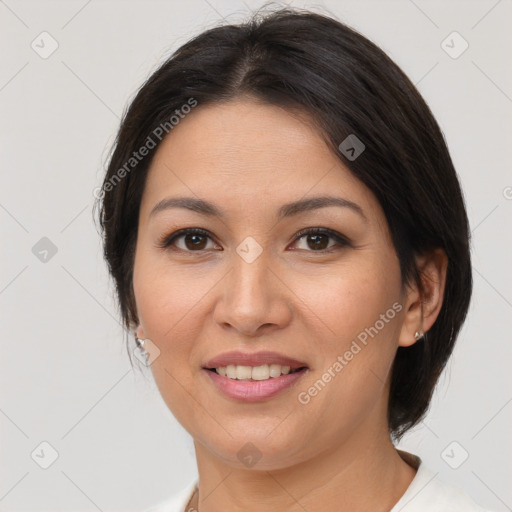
x,y
418,335
143,355
140,345
146,351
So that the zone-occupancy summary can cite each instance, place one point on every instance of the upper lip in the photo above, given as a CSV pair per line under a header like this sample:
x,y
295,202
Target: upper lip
x,y
253,359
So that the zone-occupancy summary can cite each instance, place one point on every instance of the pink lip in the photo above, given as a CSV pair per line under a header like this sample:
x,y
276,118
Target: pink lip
x,y
253,390
255,359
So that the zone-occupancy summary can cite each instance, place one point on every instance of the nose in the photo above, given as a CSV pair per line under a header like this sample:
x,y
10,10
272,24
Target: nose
x,y
254,300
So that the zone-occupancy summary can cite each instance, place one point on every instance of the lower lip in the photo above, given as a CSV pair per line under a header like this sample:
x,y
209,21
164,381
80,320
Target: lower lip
x,y
254,390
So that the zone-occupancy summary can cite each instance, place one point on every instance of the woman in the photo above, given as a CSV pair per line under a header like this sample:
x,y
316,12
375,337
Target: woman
x,y
289,243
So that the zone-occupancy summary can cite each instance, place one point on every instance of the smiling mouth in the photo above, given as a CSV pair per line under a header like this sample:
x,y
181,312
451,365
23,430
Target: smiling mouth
x,y
255,373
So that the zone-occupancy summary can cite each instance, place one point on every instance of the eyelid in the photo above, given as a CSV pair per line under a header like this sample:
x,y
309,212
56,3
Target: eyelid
x,y
166,241
341,240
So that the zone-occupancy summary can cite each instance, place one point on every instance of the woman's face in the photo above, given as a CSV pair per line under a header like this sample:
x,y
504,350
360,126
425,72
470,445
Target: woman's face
x,y
252,285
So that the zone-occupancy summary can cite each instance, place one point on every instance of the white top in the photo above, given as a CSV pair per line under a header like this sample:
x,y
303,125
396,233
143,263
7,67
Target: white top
x,y
425,493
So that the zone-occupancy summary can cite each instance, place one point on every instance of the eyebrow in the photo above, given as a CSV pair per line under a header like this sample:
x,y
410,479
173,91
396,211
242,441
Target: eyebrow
x,y
287,210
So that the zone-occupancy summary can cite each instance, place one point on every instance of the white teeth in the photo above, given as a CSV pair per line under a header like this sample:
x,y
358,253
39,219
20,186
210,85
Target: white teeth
x,y
243,372
231,371
262,372
275,370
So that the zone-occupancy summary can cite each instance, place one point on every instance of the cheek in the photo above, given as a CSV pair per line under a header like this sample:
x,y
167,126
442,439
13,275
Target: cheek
x,y
356,355
168,299
169,303
352,297
174,304
360,309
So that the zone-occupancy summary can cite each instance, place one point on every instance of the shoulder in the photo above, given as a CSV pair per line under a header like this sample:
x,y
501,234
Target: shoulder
x,y
177,502
427,492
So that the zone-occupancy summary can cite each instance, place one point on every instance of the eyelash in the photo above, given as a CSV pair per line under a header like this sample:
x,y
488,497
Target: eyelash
x,y
167,240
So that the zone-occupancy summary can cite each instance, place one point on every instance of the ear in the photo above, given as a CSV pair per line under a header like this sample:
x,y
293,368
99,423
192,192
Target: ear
x,y
422,306
139,332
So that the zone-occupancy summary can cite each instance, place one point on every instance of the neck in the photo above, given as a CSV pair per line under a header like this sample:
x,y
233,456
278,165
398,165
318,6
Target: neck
x,y
364,473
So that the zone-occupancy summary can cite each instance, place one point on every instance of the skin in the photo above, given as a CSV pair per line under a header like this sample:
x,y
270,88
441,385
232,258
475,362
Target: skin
x,y
333,453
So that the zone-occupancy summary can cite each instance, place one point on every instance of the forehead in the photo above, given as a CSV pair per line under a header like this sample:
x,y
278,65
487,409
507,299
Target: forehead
x,y
246,154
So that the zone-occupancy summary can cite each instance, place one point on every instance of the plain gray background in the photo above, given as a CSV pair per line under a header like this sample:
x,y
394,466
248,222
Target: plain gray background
x,y
65,376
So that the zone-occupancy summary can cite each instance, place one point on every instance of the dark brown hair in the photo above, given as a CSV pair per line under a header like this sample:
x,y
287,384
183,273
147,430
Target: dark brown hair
x,y
346,85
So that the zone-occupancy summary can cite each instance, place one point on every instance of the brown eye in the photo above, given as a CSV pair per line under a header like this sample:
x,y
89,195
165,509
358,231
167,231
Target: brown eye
x,y
193,242
187,240
317,240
